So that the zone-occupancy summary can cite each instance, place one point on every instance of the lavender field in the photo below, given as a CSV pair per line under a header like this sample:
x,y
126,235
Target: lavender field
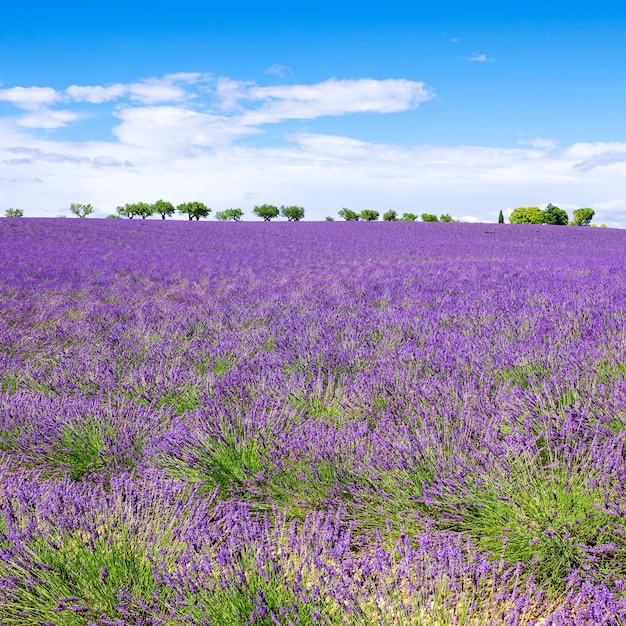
x,y
311,423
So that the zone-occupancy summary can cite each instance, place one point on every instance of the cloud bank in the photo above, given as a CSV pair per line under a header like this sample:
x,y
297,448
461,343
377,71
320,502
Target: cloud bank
x,y
195,136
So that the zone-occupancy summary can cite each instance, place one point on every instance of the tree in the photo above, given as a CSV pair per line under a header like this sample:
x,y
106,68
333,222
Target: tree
x,y
14,213
408,217
329,218
500,217
368,215
144,209
348,215
292,213
526,215
390,216
232,215
446,218
583,217
128,210
429,217
266,211
81,210
194,210
163,208
555,216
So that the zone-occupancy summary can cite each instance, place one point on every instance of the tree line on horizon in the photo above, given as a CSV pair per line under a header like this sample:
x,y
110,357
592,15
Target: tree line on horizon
x,y
552,214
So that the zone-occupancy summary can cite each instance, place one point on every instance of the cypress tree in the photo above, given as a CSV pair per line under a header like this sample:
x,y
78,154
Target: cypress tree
x,y
501,217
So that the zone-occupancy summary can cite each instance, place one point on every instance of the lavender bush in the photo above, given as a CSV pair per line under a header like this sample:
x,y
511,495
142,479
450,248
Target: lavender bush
x,y
358,423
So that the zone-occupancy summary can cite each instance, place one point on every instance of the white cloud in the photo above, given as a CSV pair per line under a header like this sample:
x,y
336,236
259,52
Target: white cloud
x,y
230,93
538,142
96,94
470,219
281,71
30,98
47,119
179,129
336,97
147,91
155,91
479,58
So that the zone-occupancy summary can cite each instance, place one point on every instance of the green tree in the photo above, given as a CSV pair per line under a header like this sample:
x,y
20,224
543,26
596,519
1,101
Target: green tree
x,y
408,217
143,209
266,211
14,213
193,210
81,210
446,218
128,210
292,213
390,216
526,215
163,208
349,215
500,217
429,217
555,216
229,215
583,217
368,215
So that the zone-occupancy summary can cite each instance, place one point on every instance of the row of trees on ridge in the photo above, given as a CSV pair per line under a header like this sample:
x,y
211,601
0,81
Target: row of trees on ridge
x,y
267,212
197,210
550,215
369,215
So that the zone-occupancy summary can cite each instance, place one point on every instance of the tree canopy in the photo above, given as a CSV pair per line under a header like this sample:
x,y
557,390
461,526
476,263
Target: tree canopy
x,y
143,209
583,217
266,211
429,217
555,216
408,217
390,216
14,213
292,213
229,215
163,208
349,215
128,210
526,215
193,210
81,210
369,215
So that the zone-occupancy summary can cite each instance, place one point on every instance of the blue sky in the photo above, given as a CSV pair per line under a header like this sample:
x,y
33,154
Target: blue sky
x,y
428,107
